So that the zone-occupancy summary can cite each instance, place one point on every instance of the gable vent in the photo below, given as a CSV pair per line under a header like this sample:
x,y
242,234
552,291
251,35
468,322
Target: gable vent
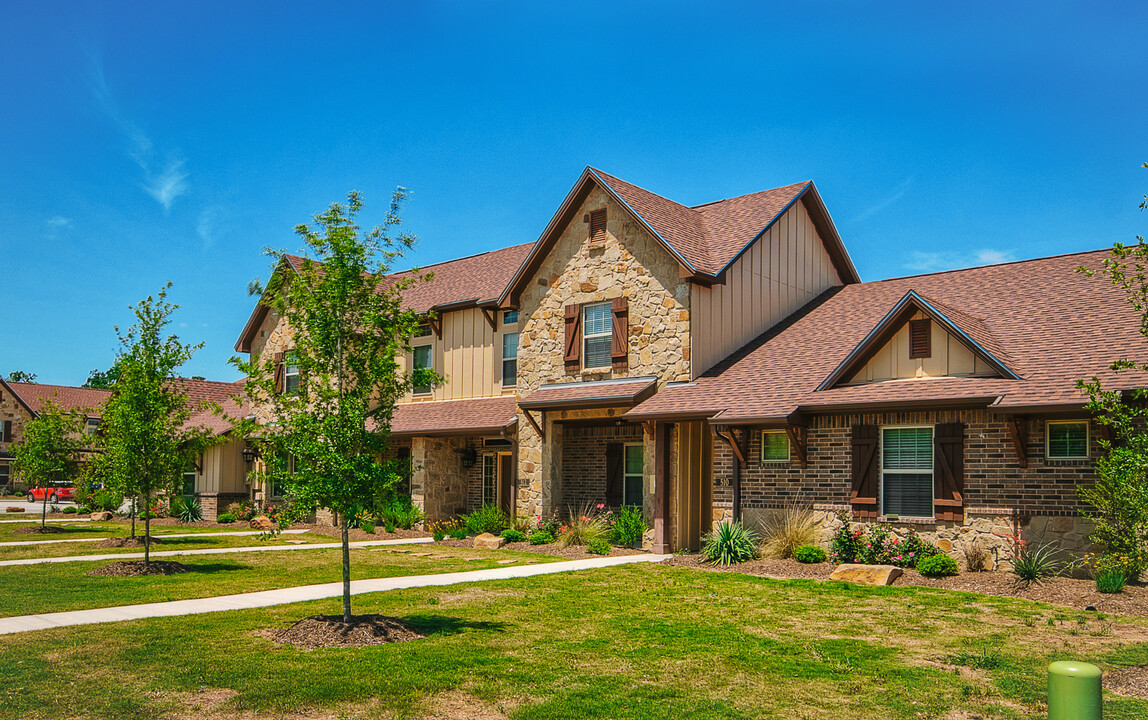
x,y
919,335
598,226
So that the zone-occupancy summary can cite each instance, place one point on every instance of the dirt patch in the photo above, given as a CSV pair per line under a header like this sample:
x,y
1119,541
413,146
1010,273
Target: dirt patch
x,y
132,542
459,705
46,530
324,631
1075,593
135,568
574,552
1130,681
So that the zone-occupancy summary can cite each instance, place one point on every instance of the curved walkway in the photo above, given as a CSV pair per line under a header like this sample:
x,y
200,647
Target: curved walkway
x,y
285,596
214,551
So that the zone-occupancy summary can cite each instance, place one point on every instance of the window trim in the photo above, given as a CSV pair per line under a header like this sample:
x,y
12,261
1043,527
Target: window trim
x,y
932,471
490,460
506,359
290,360
414,349
641,476
608,335
1087,440
788,448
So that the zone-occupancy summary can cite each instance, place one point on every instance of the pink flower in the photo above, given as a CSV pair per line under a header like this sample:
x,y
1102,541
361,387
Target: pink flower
x,y
601,505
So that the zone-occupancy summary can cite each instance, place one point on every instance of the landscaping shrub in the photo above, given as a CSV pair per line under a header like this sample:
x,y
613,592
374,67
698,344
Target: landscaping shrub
x,y
400,512
598,547
810,554
730,543
225,518
1110,581
583,527
878,546
368,527
187,509
70,510
487,519
100,500
513,535
977,559
788,529
628,526
540,537
438,535
390,527
846,543
459,533
940,565
1035,563
522,524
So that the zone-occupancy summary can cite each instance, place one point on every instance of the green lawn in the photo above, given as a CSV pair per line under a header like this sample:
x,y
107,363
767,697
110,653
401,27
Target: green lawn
x,y
633,641
87,529
199,541
56,587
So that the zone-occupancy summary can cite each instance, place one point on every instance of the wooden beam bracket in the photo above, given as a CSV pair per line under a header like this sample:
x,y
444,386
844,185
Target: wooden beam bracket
x,y
727,434
491,315
798,440
1018,429
436,326
534,423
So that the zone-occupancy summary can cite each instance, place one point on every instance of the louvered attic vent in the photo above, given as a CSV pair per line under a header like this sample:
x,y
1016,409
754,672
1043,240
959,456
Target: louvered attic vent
x,y
598,226
919,334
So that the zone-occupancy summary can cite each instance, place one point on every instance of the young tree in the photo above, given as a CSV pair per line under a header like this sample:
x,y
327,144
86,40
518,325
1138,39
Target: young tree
x,y
348,328
49,452
103,379
145,444
19,376
1119,499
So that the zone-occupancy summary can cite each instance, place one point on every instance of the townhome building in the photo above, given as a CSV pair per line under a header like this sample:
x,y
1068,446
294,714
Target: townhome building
x,y
724,360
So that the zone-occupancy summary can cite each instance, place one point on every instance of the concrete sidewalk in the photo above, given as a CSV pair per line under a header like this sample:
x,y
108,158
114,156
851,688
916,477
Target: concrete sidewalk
x,y
284,596
154,535
35,518
213,551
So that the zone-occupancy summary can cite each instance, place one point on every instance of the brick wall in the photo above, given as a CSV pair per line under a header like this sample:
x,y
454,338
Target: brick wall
x,y
993,476
584,461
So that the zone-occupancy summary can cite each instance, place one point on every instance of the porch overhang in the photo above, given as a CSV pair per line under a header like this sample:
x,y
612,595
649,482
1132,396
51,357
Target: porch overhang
x,y
620,392
478,416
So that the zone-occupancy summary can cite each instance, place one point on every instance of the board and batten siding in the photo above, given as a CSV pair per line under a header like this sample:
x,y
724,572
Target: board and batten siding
x,y
224,470
949,357
469,357
782,271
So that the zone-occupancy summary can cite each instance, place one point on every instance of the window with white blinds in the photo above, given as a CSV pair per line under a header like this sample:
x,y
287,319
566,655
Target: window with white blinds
x,y
907,471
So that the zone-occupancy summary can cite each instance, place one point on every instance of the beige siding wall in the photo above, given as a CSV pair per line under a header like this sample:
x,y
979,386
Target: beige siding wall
x,y
785,269
949,358
223,469
469,357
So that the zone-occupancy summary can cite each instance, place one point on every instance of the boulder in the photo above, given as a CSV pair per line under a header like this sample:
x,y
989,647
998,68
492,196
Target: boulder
x,y
866,574
262,522
102,516
486,541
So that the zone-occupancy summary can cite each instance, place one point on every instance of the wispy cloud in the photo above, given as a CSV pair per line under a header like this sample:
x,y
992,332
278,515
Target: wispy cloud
x,y
164,178
897,194
58,222
924,262
206,227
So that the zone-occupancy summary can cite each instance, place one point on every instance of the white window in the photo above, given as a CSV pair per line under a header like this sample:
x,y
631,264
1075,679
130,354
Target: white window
x,y
907,471
5,474
422,360
189,475
489,478
596,335
632,476
774,446
509,359
1066,440
291,374
93,426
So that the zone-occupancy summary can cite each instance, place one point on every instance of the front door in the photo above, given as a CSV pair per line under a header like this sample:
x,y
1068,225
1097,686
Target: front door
x,y
506,482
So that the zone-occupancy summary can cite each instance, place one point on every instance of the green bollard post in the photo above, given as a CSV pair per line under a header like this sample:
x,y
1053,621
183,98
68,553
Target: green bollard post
x,y
1073,691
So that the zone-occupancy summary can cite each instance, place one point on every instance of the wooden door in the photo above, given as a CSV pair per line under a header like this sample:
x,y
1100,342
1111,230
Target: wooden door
x,y
506,483
693,490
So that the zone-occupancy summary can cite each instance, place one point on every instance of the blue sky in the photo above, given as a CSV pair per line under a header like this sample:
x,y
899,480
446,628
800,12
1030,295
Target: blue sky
x,y
145,142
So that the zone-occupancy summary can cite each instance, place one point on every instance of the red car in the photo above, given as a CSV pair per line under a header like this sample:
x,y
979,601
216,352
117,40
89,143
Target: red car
x,y
55,491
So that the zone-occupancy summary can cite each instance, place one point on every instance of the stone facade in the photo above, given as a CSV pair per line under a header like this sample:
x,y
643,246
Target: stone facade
x,y
440,485
11,410
631,264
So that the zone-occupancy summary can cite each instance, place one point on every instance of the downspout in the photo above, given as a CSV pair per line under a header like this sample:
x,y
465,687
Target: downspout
x,y
736,480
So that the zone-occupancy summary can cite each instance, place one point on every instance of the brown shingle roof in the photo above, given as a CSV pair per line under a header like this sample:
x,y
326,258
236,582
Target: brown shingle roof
x,y
1055,325
67,398
603,393
480,416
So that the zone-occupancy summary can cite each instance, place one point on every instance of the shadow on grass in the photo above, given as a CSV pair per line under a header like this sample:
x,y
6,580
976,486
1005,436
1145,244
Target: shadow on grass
x,y
53,530
446,625
176,541
212,568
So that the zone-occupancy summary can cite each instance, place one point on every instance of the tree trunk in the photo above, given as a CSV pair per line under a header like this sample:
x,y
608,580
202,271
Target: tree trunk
x,y
44,512
133,517
346,569
147,530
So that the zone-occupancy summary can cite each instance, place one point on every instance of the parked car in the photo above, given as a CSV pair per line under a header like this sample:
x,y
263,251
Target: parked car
x,y
55,491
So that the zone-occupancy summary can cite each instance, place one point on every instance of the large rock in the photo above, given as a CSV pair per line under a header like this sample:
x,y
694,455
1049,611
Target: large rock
x,y
102,516
262,522
486,541
866,574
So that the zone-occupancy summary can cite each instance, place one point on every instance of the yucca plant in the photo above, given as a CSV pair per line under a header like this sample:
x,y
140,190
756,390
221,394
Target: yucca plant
x,y
730,543
1032,564
787,529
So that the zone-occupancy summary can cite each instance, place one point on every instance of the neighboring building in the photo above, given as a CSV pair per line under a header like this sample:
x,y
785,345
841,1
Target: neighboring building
x,y
21,402
725,360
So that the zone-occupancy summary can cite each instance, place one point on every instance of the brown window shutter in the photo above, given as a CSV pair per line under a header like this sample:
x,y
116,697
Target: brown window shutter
x,y
573,356
614,478
620,335
280,373
949,471
598,226
919,336
7,431
863,496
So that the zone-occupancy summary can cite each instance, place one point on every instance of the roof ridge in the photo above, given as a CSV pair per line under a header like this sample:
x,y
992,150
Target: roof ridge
x,y
457,259
986,265
739,197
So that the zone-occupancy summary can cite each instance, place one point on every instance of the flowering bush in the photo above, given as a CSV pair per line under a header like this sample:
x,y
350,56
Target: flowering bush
x,y
879,546
585,526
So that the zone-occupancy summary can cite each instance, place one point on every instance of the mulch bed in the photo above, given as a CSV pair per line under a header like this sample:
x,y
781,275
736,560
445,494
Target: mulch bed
x,y
1076,593
1130,681
573,552
46,530
136,542
326,631
136,568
